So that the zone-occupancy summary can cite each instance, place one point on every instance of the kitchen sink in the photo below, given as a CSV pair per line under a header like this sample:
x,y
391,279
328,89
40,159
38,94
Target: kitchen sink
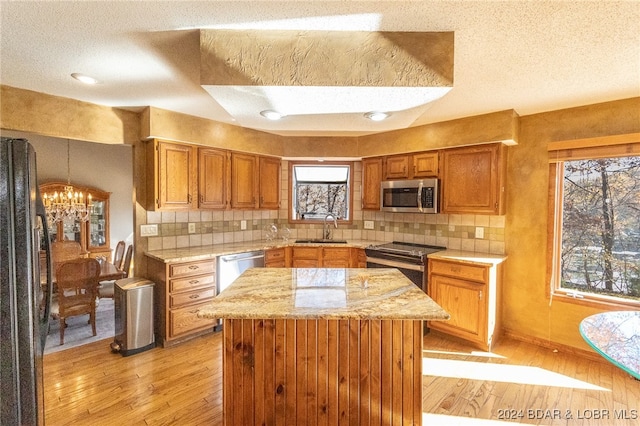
x,y
321,241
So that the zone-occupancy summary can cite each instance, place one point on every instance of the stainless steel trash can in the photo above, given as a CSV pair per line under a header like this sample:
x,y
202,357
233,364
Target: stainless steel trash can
x,y
133,312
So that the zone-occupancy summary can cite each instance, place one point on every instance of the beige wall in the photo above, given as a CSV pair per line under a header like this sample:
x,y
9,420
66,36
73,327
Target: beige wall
x,y
526,308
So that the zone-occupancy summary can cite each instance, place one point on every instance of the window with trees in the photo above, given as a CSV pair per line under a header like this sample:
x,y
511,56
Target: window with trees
x,y
319,189
595,208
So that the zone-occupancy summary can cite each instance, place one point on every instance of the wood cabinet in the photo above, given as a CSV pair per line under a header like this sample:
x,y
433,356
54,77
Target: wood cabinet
x,y
187,177
425,165
171,182
269,185
276,258
470,292
326,257
473,179
93,235
306,257
396,167
336,257
360,258
371,178
244,180
213,178
181,289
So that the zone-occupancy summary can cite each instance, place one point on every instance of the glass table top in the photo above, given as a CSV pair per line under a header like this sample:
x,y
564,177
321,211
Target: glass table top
x,y
615,336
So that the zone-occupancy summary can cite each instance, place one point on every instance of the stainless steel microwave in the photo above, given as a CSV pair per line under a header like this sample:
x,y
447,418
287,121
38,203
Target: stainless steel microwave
x,y
409,196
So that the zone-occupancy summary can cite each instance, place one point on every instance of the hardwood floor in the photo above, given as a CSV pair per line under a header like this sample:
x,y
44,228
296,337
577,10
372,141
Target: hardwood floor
x,y
517,382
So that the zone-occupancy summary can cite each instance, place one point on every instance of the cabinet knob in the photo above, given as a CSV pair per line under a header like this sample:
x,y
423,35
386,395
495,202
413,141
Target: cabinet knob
x,y
194,281
193,267
194,296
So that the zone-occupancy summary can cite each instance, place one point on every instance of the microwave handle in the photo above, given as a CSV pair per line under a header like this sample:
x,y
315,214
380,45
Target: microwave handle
x,y
420,197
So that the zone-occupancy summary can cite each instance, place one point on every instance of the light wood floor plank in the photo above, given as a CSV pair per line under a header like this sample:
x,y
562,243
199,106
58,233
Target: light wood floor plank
x,y
182,385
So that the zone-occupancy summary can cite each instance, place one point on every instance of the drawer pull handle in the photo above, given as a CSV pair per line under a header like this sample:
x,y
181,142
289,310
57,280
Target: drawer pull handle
x,y
194,296
455,269
194,281
193,267
195,311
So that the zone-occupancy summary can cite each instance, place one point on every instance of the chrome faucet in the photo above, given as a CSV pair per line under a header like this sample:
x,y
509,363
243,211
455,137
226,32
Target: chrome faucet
x,y
326,235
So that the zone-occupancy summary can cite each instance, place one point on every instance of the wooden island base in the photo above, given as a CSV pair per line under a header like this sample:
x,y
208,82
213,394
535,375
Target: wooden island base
x,y
318,371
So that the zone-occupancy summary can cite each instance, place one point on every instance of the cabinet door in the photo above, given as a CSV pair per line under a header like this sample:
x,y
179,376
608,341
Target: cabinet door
x,y
465,301
305,263
425,165
269,183
371,178
397,167
244,176
472,180
175,176
336,257
213,178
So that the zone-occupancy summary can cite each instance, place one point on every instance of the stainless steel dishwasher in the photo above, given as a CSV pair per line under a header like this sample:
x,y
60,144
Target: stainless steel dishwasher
x,y
229,267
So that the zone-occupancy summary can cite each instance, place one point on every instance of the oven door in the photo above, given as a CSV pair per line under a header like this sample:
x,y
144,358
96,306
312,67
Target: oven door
x,y
415,273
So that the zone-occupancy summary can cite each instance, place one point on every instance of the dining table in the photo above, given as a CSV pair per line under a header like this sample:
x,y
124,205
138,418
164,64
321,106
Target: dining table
x,y
616,336
108,272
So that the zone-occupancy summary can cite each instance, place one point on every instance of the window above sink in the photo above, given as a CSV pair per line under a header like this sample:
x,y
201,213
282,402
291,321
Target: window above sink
x,y
317,189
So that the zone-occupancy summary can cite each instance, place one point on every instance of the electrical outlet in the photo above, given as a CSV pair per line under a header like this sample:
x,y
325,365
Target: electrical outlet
x,y
192,228
479,232
368,224
243,225
148,230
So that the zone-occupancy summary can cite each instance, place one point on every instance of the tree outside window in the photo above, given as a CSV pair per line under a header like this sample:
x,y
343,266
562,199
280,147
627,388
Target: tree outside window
x,y
600,226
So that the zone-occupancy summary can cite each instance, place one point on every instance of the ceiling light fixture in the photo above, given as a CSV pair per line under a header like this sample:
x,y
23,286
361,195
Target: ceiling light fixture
x,y
271,115
84,78
68,204
377,115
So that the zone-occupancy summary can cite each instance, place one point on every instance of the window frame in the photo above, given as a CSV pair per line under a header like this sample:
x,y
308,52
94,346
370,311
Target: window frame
x,y
316,163
627,145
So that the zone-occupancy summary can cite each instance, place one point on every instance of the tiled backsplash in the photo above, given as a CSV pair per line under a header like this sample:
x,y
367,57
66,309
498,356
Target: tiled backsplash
x,y
451,231
215,227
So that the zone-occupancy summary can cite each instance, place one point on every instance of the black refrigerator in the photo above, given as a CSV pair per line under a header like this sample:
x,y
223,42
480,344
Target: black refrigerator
x,y
25,298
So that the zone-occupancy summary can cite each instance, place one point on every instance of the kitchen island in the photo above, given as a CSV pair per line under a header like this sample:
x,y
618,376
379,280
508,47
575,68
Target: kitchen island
x,y
322,346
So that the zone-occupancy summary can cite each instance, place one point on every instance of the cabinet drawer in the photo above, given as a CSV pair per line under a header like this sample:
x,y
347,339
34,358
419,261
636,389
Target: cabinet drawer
x,y
191,268
276,264
274,255
192,297
459,270
185,320
191,283
305,252
336,253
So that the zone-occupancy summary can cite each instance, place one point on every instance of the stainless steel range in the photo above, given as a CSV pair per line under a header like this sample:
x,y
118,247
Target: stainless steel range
x,y
409,258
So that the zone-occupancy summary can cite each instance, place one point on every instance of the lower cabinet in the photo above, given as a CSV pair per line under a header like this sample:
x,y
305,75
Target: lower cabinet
x,y
470,293
181,289
276,257
327,257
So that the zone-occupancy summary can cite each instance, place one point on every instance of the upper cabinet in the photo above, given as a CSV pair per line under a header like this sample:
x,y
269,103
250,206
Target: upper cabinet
x,y
93,235
187,177
269,185
213,178
171,178
371,178
397,167
244,180
425,165
473,179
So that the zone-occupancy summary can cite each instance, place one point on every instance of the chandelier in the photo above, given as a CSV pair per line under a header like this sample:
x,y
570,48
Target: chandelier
x,y
68,204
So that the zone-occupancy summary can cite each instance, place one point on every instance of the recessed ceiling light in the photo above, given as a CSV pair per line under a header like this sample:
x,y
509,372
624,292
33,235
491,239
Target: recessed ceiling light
x,y
84,78
377,115
271,115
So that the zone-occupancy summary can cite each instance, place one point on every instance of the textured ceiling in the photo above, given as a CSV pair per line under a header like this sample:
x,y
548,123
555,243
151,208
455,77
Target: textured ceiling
x,y
531,56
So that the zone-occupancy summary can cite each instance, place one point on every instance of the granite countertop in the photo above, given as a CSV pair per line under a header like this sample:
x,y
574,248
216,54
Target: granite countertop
x,y
323,293
187,254
469,257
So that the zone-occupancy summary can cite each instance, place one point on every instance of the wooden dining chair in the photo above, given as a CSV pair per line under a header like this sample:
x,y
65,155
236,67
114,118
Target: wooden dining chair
x,y
118,254
126,264
63,251
77,291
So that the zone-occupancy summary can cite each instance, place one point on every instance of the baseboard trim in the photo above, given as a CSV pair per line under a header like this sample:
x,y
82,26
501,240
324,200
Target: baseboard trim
x,y
592,356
